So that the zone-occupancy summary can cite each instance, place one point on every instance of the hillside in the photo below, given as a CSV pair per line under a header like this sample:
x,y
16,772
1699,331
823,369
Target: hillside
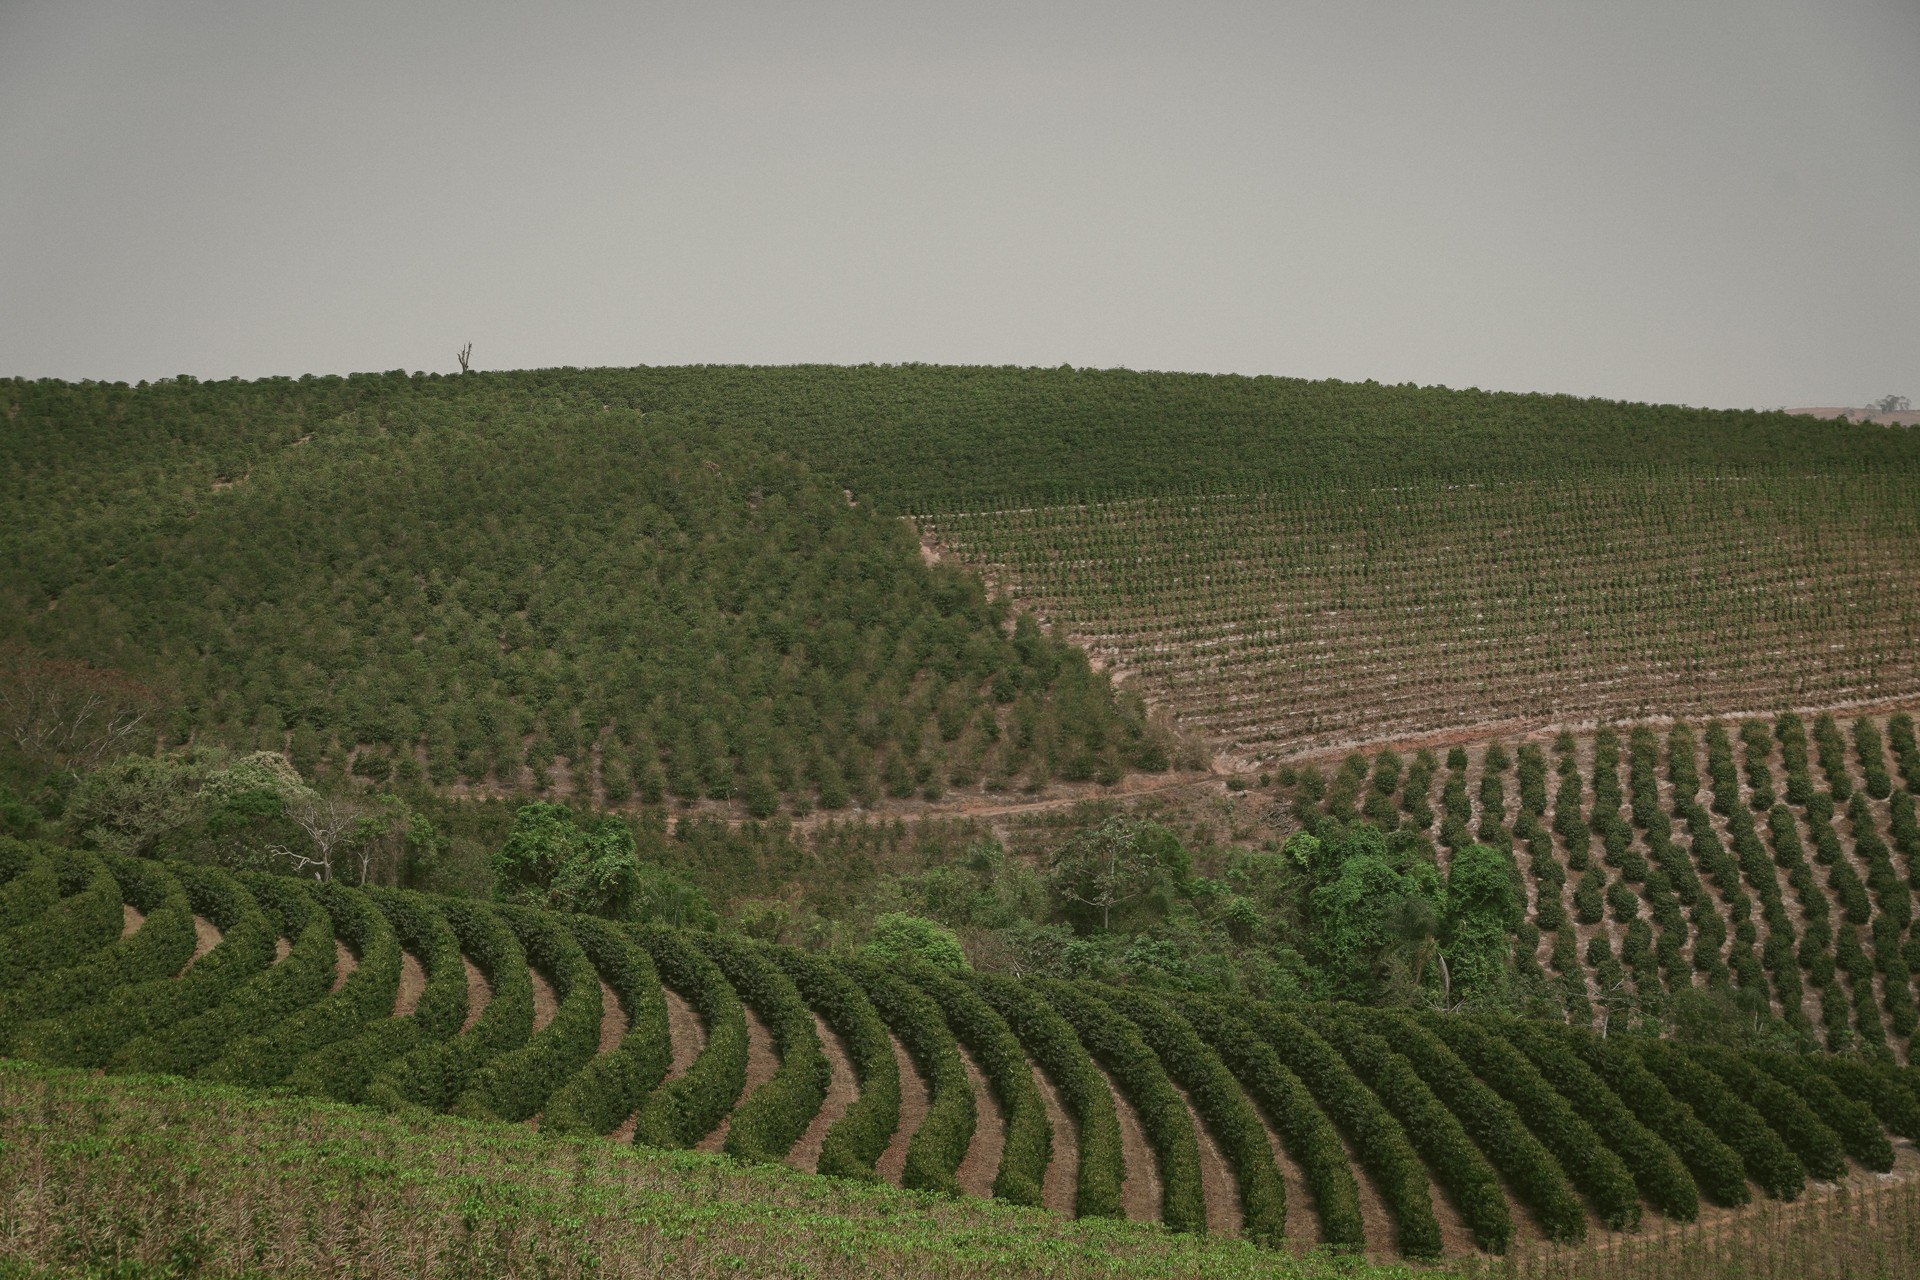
x,y
1387,1131
1284,565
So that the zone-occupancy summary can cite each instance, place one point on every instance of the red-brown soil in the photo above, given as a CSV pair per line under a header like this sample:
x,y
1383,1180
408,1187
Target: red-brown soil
x,y
978,1171
545,1002
686,1034
1060,1188
613,1019
762,1062
1217,1183
1140,1192
1303,1222
205,938
344,963
479,993
412,985
913,1110
841,1092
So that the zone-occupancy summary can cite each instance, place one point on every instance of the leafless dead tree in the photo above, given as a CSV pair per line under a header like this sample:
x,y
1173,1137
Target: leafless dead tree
x,y
68,713
465,356
329,823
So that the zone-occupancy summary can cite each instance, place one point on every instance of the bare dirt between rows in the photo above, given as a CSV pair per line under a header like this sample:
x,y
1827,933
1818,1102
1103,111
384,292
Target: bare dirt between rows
x,y
686,1033
613,1019
130,919
1302,1218
841,1092
1059,1189
762,1062
545,1002
1218,1186
981,1167
1140,1191
205,938
282,948
479,994
1381,1227
913,1110
412,985
344,963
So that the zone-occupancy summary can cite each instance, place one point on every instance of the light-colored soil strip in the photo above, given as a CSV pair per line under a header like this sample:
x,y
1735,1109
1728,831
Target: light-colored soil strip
x,y
841,1092
1303,1219
282,948
1375,1218
412,985
762,1062
479,994
913,1110
981,1167
205,938
545,1002
1140,1192
686,1034
1456,1237
1218,1186
613,1019
130,919
344,963
1060,1187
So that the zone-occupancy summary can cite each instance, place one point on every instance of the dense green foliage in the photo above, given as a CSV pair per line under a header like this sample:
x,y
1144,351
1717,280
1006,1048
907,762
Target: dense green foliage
x,y
525,589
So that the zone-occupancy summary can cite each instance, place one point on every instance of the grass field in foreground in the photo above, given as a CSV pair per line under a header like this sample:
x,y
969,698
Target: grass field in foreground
x,y
159,1177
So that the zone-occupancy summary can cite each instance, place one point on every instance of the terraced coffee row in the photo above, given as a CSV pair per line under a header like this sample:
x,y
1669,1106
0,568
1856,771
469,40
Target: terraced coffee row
x,y
1355,1128
1776,860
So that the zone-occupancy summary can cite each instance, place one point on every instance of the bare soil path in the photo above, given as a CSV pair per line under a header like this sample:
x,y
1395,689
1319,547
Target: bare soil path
x,y
479,994
282,948
762,1062
1219,1187
545,1002
1060,1187
686,1034
977,1173
412,985
205,938
1140,1191
913,1110
613,1019
1303,1221
131,919
344,963
841,1092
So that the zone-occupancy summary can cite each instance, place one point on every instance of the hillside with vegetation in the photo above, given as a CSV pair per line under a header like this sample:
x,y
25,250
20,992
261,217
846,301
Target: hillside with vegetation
x,y
1348,826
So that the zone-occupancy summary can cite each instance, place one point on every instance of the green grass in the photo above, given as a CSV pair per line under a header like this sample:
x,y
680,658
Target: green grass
x,y
136,1176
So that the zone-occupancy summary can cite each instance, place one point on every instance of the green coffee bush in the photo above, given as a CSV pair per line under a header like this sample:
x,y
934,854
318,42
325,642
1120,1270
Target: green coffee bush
x,y
91,1036
859,1137
684,1110
771,1119
186,1046
266,1057
516,1084
1221,1105
940,1143
434,1075
611,1086
1029,1137
1051,1042
343,1069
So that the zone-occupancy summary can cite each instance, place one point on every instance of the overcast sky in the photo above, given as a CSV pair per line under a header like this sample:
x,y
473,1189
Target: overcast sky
x,y
1682,200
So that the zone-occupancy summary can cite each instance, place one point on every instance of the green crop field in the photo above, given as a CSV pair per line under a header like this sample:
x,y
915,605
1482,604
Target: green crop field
x,y
922,820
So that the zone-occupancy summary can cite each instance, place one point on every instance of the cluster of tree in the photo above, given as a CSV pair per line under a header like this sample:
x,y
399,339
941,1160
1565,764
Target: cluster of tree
x,y
522,593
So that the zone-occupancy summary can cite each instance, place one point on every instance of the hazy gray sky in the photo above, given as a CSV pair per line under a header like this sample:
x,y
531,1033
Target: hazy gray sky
x,y
1709,202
